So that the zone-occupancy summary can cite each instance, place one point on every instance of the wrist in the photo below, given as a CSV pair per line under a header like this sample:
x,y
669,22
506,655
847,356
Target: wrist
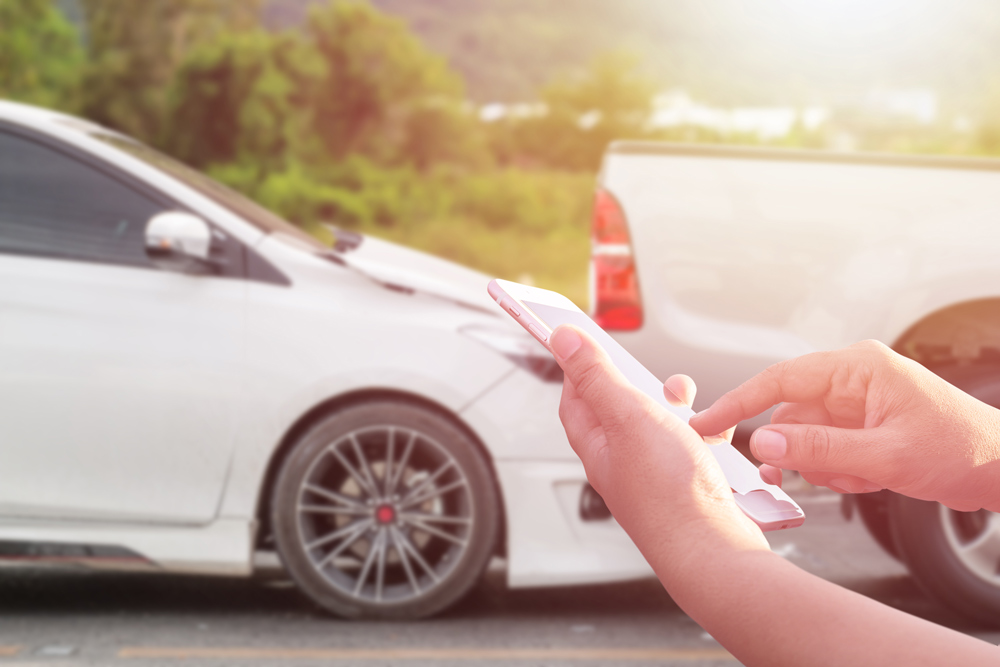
x,y
698,544
709,582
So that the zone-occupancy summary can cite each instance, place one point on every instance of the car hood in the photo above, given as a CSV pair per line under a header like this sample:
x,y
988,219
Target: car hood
x,y
405,269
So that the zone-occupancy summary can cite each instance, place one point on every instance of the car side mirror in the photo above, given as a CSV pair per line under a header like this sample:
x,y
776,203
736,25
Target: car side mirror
x,y
178,240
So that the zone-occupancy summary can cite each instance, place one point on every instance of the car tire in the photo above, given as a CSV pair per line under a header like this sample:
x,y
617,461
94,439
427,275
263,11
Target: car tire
x,y
385,510
954,556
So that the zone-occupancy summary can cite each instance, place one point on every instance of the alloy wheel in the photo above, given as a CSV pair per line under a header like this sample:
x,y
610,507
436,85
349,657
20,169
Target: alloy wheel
x,y
974,537
384,514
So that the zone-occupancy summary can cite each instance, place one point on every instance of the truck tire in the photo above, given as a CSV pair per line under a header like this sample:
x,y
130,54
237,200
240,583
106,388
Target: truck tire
x,y
954,556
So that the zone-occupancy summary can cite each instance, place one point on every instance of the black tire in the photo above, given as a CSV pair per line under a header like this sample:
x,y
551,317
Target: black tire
x,y
385,510
874,511
930,538
939,545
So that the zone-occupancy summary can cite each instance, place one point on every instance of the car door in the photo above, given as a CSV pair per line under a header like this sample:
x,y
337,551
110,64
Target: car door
x,y
119,380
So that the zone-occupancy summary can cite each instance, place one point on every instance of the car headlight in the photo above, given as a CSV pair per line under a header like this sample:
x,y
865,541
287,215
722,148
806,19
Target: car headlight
x,y
519,347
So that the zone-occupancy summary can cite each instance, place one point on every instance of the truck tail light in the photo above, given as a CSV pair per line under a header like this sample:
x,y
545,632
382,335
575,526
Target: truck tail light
x,y
614,286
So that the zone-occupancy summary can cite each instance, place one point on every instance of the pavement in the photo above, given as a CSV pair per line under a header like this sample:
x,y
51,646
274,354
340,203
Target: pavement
x,y
69,618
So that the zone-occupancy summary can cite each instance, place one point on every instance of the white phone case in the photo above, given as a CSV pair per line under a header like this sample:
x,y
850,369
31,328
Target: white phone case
x,y
540,311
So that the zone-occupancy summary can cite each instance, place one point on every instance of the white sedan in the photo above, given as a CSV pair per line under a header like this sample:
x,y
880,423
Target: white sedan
x,y
187,381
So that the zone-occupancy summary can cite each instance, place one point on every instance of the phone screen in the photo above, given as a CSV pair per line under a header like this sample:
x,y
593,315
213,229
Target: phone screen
x,y
630,367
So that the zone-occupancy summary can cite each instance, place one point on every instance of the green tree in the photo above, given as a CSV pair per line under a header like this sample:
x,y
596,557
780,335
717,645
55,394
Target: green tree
x,y
380,86
444,132
40,54
135,48
239,98
610,100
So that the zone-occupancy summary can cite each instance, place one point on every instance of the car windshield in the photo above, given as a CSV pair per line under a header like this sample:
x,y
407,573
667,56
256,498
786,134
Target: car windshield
x,y
247,209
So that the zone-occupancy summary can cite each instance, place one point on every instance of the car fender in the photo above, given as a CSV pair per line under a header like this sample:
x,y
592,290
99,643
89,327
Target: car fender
x,y
887,286
277,402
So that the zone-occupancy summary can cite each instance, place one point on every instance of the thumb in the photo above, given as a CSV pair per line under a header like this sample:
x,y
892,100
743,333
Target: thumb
x,y
596,379
814,448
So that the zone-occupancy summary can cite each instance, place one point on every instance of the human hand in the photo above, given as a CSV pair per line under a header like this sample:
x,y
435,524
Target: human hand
x,y
865,418
655,473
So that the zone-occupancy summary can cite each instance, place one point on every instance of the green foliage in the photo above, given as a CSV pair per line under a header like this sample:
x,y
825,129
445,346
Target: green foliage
x,y
40,54
613,87
529,201
444,132
522,225
508,50
135,48
235,98
356,80
303,199
381,87
529,226
583,113
359,194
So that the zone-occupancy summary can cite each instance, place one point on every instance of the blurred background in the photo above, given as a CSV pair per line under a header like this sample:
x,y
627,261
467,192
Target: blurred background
x,y
463,127
474,130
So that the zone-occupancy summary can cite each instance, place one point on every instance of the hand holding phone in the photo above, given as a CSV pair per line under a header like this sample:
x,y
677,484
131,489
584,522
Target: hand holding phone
x,y
541,311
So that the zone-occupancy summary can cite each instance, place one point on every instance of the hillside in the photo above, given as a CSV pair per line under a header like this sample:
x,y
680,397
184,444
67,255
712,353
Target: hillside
x,y
729,52
725,51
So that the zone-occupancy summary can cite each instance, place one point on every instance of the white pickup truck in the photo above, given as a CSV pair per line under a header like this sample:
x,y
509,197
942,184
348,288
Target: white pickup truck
x,y
718,262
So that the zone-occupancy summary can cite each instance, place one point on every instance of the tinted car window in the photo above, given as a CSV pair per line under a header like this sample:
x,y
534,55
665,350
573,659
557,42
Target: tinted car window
x,y
54,205
250,211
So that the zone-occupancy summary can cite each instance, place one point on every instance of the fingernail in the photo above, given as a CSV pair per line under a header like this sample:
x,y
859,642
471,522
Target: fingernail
x,y
769,445
871,487
565,342
840,485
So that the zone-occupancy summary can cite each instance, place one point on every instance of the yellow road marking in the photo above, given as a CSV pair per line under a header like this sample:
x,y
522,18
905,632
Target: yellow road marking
x,y
10,650
182,653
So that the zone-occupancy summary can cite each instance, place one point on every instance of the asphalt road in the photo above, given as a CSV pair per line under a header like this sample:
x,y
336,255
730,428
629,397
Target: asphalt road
x,y
68,618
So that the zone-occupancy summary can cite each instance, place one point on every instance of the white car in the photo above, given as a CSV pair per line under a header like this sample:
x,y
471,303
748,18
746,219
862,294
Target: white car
x,y
186,380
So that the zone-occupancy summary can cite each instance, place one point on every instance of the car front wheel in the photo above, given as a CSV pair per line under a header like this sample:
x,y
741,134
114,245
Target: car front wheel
x,y
385,510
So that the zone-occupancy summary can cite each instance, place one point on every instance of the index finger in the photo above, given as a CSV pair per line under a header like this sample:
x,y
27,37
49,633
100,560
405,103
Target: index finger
x,y
796,380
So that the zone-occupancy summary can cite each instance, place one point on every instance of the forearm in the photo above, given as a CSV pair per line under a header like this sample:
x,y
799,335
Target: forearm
x,y
766,611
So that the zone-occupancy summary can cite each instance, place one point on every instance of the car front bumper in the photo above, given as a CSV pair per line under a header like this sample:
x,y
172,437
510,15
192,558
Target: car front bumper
x,y
541,480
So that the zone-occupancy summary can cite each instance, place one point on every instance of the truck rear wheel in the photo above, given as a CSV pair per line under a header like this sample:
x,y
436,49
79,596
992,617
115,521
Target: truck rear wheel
x,y
954,556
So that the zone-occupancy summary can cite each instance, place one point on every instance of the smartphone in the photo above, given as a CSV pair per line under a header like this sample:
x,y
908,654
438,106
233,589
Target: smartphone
x,y
540,311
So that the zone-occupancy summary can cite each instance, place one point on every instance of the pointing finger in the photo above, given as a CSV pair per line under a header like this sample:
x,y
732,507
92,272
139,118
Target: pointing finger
x,y
799,380
679,390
